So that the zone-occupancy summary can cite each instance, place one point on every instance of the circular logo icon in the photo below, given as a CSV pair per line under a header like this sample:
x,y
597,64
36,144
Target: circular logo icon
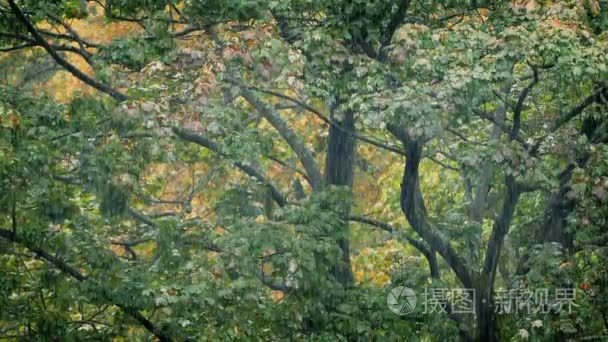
x,y
401,300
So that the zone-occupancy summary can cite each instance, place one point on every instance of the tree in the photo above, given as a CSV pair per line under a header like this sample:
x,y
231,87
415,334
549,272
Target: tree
x,y
495,114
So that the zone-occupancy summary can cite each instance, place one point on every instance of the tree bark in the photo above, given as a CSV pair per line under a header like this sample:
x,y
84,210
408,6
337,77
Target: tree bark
x,y
339,171
412,205
486,317
484,310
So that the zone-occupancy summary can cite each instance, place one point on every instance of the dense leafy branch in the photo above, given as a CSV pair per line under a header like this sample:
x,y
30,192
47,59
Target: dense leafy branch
x,y
69,37
60,60
304,154
326,119
212,243
287,165
201,140
394,23
74,36
33,43
74,273
599,96
419,245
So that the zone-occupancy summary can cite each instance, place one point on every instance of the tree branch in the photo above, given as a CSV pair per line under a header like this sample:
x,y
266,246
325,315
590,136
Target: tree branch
x,y
323,117
33,43
74,273
60,60
392,26
304,154
287,165
141,217
463,137
129,244
67,37
500,230
412,205
74,36
440,163
419,245
16,47
271,284
487,170
597,241
201,140
520,104
599,96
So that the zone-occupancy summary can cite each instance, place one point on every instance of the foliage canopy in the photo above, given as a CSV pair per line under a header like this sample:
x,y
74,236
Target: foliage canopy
x,y
236,169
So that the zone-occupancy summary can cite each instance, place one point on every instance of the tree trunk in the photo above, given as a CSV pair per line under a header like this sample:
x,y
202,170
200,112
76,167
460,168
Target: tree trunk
x,y
485,315
339,171
554,226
